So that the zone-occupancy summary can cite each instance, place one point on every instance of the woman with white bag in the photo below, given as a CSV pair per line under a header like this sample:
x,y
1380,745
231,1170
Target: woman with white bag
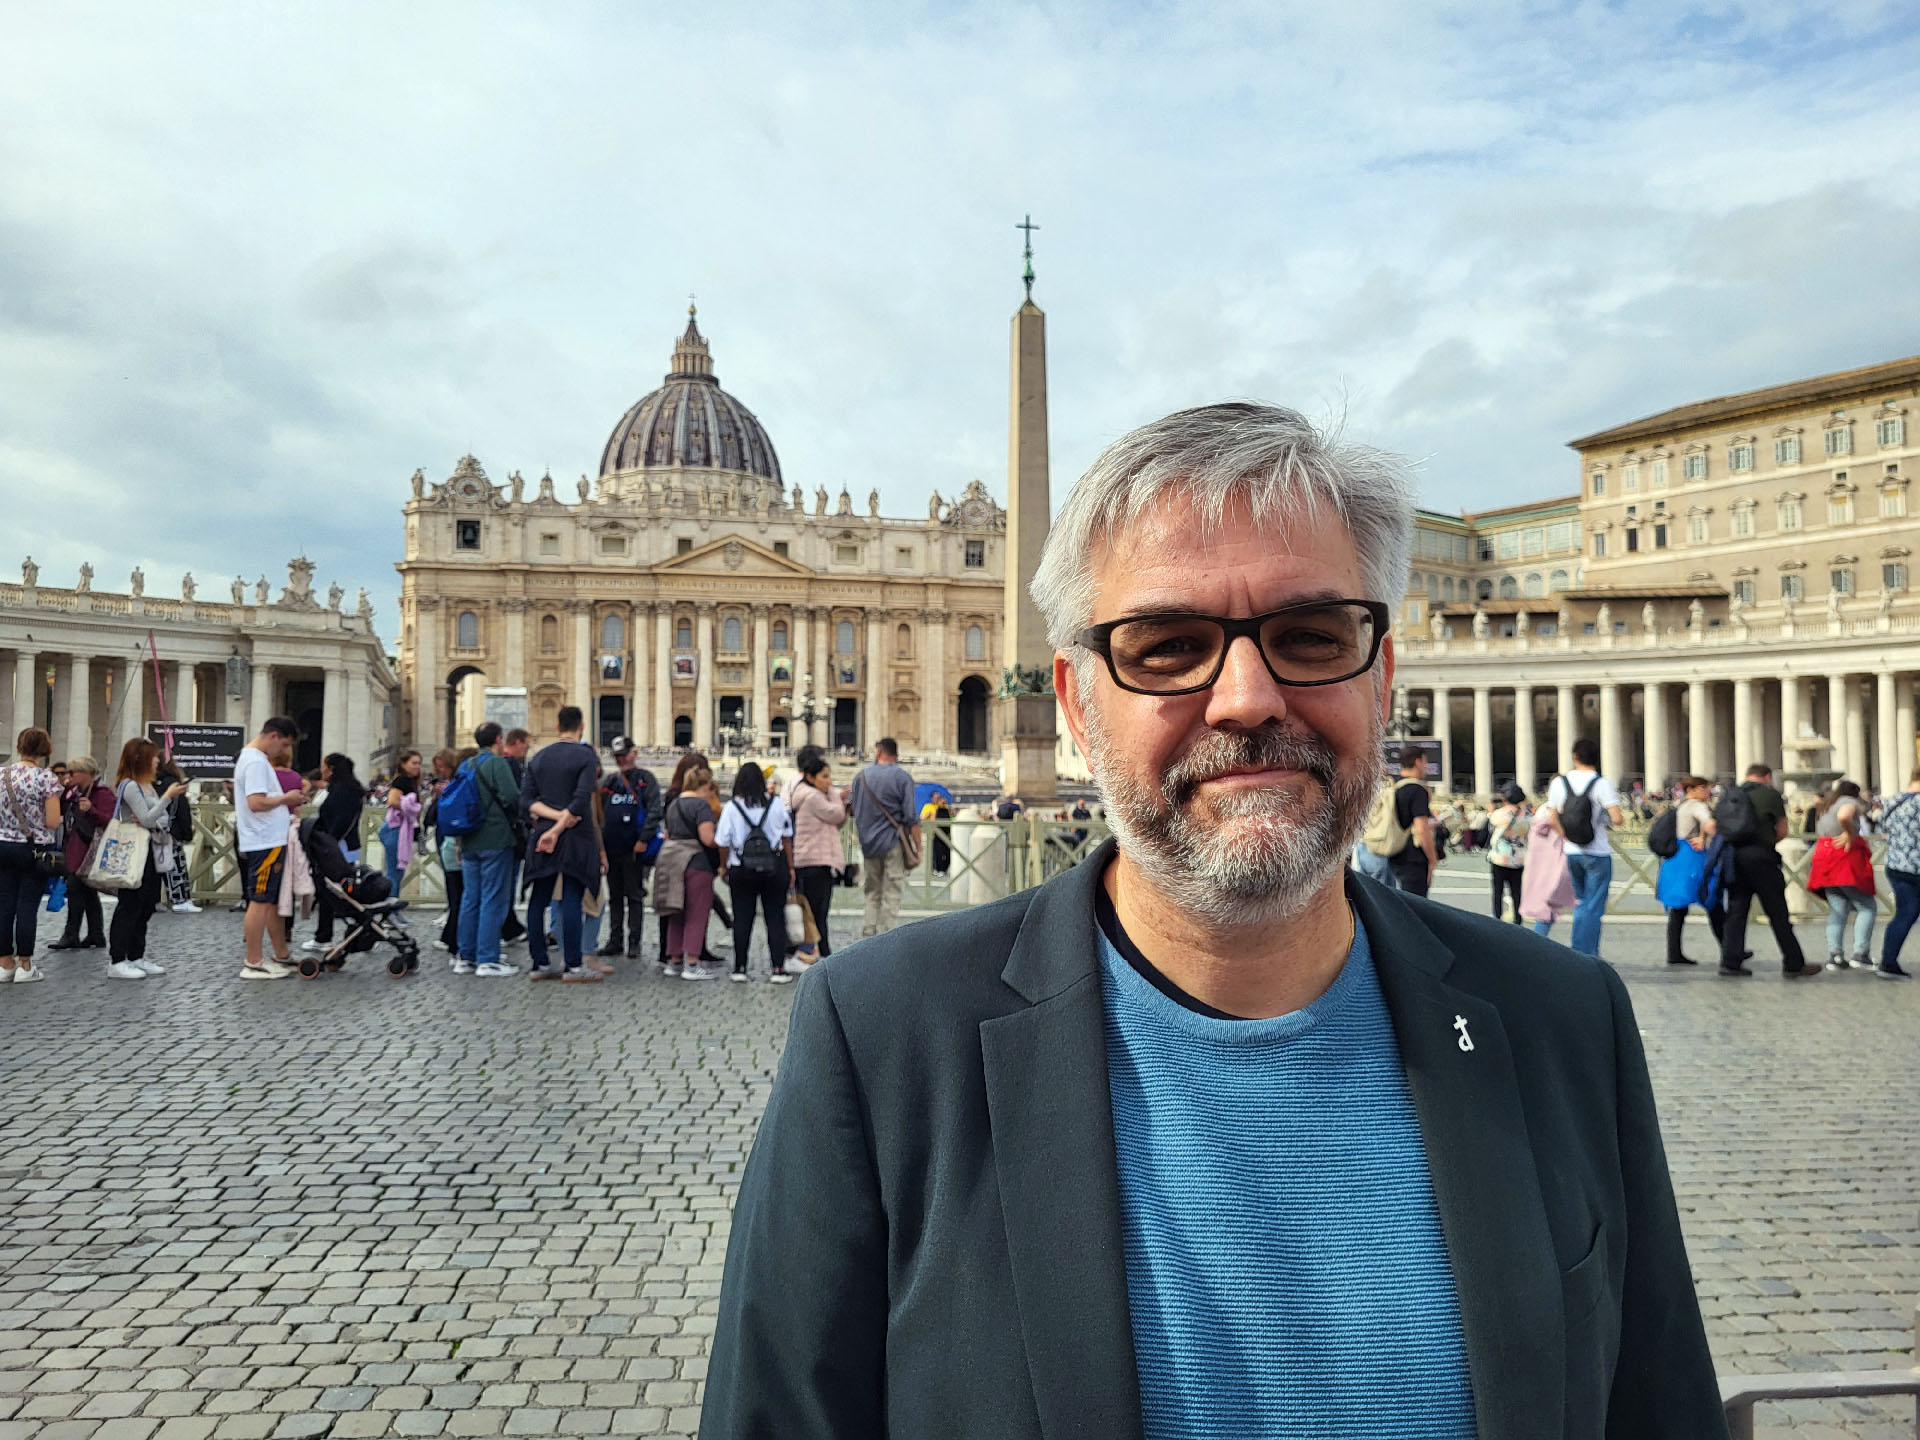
x,y
138,803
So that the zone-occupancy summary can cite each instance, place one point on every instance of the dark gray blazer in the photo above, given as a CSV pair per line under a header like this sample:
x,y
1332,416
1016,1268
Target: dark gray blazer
x,y
927,1238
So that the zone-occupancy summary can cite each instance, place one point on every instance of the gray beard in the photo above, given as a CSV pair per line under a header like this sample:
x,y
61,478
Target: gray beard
x,y
1264,855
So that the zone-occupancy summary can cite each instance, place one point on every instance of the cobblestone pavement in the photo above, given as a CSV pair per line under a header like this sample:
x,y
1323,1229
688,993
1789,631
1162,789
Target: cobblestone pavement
x,y
452,1206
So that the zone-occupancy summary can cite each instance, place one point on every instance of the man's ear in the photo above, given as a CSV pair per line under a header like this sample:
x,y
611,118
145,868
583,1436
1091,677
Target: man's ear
x,y
1066,688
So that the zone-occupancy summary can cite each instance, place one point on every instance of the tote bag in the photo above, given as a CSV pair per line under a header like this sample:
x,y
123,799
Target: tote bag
x,y
117,859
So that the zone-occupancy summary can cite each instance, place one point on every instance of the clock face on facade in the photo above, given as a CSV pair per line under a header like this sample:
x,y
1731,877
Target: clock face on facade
x,y
975,513
469,489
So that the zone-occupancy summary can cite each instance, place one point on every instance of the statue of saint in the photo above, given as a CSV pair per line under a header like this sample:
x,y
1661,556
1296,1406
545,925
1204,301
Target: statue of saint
x,y
186,586
86,577
365,608
799,501
1566,620
519,492
261,590
873,503
334,595
1437,626
29,573
933,506
1603,621
1886,600
1696,615
583,489
845,507
1482,627
1522,623
820,500
419,484
1649,618
239,591
1833,604
137,582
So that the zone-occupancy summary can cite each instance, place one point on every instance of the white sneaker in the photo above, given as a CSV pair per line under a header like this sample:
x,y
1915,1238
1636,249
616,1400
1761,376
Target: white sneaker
x,y
186,907
149,967
697,971
670,968
461,967
311,945
796,966
125,970
23,975
781,977
739,977
442,945
497,968
266,970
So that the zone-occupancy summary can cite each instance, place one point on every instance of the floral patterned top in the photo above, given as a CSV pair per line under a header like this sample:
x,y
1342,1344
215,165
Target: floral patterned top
x,y
23,803
1901,821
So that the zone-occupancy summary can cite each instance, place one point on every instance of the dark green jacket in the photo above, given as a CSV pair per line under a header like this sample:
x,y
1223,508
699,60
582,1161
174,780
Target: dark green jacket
x,y
927,1238
500,803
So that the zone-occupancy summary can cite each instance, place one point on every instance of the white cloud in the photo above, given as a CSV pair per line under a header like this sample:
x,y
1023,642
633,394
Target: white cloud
x,y
256,264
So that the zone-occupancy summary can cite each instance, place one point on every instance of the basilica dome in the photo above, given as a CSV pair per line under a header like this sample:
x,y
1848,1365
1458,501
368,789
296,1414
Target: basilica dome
x,y
690,423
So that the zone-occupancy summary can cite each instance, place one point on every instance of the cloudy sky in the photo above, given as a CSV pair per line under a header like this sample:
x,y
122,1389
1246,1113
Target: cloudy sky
x,y
257,263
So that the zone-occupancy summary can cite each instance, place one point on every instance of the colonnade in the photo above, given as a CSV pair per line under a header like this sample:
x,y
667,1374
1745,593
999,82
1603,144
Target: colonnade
x,y
1860,725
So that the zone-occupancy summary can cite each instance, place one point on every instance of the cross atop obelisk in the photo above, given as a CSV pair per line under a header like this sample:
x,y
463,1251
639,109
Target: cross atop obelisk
x,y
1027,225
1027,715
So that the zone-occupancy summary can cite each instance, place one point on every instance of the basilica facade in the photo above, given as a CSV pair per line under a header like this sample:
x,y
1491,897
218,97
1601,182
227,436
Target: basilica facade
x,y
689,596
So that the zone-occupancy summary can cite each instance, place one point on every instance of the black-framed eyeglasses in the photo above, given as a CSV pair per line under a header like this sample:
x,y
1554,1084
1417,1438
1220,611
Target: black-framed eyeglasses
x,y
1321,642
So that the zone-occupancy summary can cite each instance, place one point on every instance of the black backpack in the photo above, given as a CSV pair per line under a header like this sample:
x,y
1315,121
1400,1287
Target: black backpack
x,y
1576,816
756,851
1738,821
1663,836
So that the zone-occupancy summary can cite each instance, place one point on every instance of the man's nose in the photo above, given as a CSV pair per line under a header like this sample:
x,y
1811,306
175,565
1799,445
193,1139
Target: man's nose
x,y
1246,695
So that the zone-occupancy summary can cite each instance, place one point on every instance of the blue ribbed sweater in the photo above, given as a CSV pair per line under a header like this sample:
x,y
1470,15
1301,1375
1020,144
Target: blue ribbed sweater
x,y
1285,1267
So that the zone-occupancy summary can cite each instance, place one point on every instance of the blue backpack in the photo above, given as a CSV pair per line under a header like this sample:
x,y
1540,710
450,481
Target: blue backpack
x,y
461,806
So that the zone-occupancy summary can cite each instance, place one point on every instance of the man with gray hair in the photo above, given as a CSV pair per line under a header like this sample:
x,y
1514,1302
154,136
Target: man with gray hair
x,y
1209,1137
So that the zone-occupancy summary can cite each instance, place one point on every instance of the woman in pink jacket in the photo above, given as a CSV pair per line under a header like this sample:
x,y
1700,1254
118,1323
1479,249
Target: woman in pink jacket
x,y
1546,888
818,813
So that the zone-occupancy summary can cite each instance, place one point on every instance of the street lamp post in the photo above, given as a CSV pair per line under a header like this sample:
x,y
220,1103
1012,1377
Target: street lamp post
x,y
802,704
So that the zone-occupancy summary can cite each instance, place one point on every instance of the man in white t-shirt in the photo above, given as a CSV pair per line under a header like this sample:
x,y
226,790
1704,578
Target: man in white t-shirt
x,y
1589,860
262,826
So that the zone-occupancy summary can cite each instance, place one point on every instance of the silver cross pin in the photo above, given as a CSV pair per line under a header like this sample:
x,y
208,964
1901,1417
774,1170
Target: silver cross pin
x,y
1460,1024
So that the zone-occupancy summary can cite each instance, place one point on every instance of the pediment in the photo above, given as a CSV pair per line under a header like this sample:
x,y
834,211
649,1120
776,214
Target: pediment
x,y
731,555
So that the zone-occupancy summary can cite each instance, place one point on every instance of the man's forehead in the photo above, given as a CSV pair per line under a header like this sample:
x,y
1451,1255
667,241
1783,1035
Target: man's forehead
x,y
1173,554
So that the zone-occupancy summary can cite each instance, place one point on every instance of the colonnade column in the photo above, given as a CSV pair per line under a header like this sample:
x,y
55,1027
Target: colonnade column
x,y
1443,732
762,703
580,688
1893,775
1566,724
1526,759
703,673
262,706
132,711
27,682
798,731
933,683
1837,725
823,672
1699,729
876,677
1612,752
333,709
1746,745
1789,719
1857,756
1903,731
639,722
1653,721
1482,741
663,674
79,707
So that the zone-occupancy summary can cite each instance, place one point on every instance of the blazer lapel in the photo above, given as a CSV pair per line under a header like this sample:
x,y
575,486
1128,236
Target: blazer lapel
x,y
1053,1150
1481,1159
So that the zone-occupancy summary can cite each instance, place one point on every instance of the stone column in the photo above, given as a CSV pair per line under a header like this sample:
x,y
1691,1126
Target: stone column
x,y
513,623
1790,713
190,693
876,673
1443,732
262,707
1892,775
80,708
1746,747
639,719
28,677
1612,733
663,673
1903,730
1699,729
1526,753
823,671
762,659
798,731
1653,722
703,682
933,680
580,689
1858,759
129,721
1482,740
333,709
1842,758
1566,725
429,707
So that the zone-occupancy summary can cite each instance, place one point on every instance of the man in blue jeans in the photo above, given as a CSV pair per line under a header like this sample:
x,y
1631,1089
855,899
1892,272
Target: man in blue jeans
x,y
486,861
1589,862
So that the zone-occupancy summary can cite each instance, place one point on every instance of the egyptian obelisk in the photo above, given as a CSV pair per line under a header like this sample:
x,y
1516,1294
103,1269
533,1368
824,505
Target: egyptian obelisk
x,y
1027,743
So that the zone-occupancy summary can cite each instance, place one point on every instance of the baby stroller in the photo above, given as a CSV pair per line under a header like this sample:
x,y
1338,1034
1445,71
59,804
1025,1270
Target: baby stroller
x,y
369,914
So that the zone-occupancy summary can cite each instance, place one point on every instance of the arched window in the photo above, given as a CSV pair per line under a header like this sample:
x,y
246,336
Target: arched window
x,y
549,634
466,630
976,643
1509,588
903,642
843,638
613,633
1433,586
1446,588
683,634
1536,586
779,635
1483,590
1557,581
732,636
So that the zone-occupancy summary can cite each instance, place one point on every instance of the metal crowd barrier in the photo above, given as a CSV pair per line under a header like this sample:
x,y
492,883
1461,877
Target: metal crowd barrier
x,y
1629,843
1740,1393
